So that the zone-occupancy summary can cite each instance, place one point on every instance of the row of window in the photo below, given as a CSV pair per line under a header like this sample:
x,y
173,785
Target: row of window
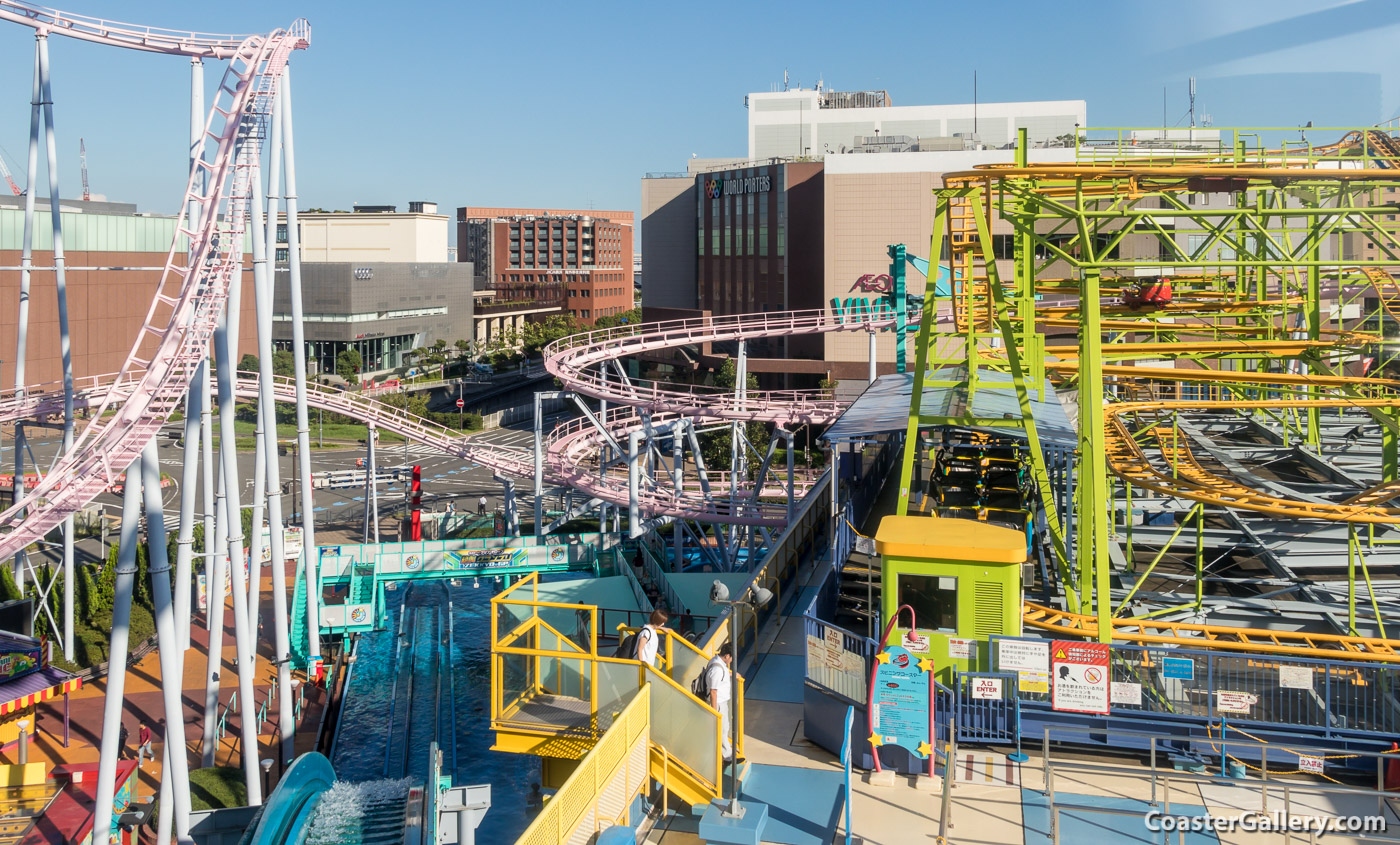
x,y
589,314
587,293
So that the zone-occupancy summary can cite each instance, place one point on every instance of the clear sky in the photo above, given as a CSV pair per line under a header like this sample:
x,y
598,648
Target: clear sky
x,y
569,104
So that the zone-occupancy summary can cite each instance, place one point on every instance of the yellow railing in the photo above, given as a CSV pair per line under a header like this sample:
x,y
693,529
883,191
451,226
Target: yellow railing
x,y
601,789
580,690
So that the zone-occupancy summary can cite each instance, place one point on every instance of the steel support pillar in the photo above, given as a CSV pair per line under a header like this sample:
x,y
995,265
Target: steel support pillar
x,y
114,702
267,407
171,656
308,513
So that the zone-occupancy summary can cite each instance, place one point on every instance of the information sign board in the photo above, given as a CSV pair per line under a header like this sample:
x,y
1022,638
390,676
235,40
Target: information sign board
x,y
901,701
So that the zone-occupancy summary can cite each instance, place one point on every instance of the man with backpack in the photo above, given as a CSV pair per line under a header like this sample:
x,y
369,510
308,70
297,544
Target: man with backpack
x,y
644,644
715,685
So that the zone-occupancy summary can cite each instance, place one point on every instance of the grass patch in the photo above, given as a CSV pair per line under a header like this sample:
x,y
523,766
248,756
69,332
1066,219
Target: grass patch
x,y
214,788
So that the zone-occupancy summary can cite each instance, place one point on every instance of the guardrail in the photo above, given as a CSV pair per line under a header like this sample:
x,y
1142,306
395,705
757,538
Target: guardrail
x,y
1162,780
608,777
544,684
1333,698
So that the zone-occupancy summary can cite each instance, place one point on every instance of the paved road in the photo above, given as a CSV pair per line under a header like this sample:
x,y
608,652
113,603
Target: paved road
x,y
339,513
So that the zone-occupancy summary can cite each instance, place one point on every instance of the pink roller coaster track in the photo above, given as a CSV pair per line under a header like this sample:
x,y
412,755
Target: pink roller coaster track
x,y
188,301
186,308
571,449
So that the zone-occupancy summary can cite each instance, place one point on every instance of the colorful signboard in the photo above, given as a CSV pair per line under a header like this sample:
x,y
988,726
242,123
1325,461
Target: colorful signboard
x,y
477,559
901,701
19,656
1079,676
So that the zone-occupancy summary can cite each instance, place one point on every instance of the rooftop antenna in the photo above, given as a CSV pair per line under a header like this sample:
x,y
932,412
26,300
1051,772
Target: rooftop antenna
x,y
974,105
785,79
82,158
1192,86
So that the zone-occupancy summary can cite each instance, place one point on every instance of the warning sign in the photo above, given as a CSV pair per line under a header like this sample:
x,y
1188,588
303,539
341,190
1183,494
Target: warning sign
x,y
962,649
915,643
1234,702
1311,765
1079,676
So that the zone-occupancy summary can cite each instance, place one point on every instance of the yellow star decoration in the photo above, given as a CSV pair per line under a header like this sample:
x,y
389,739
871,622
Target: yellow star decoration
x,y
925,749
925,665
882,657
875,741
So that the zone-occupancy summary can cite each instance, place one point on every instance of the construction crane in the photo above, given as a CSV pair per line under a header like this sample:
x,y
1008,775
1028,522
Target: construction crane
x,y
82,157
5,171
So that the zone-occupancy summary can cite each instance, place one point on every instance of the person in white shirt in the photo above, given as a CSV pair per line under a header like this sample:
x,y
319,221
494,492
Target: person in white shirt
x,y
719,682
649,637
481,506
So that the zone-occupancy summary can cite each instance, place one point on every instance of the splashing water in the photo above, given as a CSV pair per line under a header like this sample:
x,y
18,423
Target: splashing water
x,y
359,812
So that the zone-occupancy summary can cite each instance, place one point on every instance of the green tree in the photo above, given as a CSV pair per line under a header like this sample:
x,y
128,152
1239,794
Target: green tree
x,y
9,590
347,365
284,363
248,363
715,446
462,346
439,344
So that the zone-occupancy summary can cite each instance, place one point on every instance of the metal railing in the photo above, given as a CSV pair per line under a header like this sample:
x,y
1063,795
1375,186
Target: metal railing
x,y
607,778
1331,696
1162,781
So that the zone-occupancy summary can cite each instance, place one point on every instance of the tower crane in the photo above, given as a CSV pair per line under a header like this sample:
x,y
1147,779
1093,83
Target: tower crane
x,y
5,171
82,157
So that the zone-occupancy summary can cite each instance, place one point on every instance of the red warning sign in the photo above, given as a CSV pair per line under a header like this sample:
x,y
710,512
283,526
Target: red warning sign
x,y
1079,676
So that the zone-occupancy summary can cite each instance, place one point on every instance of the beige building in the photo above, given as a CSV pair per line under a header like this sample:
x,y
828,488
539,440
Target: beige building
x,y
371,233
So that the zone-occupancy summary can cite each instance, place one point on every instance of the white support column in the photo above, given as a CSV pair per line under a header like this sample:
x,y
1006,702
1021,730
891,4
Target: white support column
x,y
226,346
171,657
114,702
634,473
26,262
870,376
308,511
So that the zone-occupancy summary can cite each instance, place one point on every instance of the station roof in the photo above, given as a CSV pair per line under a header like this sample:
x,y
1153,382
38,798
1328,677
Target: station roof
x,y
883,408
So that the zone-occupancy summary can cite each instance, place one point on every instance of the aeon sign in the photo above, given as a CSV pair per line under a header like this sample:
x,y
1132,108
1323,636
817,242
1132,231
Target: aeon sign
x,y
859,309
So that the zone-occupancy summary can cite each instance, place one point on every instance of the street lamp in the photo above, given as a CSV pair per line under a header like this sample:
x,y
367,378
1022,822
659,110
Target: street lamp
x,y
266,767
755,598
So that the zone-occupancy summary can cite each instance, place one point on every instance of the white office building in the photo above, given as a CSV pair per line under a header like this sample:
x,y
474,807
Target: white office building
x,y
814,122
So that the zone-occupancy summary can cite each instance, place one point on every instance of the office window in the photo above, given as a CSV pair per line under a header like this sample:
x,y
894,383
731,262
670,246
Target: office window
x,y
282,233
283,254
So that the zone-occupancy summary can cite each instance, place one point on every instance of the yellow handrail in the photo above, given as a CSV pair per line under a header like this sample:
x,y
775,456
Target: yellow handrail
x,y
610,770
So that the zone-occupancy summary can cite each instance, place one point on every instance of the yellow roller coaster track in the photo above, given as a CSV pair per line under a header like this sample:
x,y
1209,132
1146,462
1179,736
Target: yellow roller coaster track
x,y
1189,635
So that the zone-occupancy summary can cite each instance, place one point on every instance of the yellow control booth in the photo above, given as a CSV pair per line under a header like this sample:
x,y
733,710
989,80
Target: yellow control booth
x,y
963,580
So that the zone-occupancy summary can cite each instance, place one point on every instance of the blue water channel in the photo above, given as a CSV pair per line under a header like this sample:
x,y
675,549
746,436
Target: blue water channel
x,y
371,742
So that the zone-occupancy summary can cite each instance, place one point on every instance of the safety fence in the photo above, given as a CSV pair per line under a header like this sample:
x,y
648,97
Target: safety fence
x,y
599,793
1325,697
547,685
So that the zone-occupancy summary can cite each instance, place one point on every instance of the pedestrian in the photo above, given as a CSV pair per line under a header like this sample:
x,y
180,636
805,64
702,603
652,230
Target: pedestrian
x,y
451,507
122,736
719,680
143,738
649,638
481,506
534,802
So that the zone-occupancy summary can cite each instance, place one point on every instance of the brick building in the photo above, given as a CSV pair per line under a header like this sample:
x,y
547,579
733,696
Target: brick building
x,y
581,259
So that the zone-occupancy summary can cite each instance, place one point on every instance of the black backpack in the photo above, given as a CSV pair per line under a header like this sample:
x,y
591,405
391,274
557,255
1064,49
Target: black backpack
x,y
700,687
631,644
627,649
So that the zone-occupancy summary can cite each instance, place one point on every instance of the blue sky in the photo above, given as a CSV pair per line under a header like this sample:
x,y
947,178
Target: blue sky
x,y
568,104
